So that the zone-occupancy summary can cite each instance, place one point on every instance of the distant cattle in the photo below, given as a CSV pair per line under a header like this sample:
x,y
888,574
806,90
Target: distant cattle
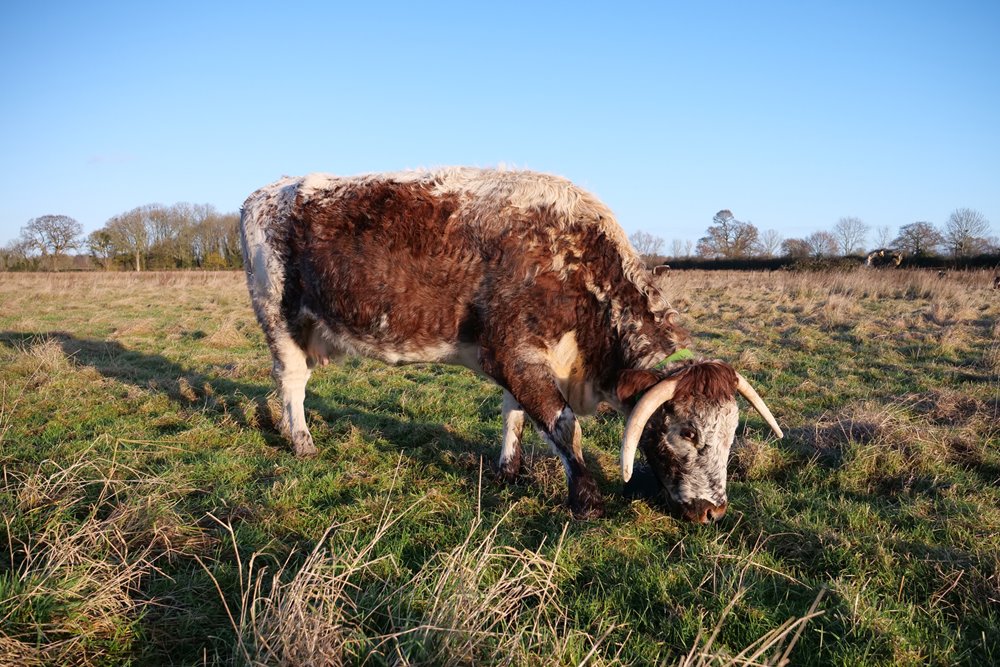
x,y
884,257
522,277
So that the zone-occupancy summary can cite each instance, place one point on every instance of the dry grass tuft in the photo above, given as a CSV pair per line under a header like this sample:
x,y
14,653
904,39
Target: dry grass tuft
x,y
868,443
48,354
772,649
953,339
481,603
749,362
754,459
185,389
478,603
831,434
134,328
82,539
949,407
991,359
838,311
890,447
227,336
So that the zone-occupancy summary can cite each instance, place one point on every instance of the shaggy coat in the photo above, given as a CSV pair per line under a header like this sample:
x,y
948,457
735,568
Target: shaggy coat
x,y
520,276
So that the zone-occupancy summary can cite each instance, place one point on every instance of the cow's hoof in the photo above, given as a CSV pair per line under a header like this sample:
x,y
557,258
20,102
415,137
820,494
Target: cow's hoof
x,y
586,512
302,444
509,470
585,500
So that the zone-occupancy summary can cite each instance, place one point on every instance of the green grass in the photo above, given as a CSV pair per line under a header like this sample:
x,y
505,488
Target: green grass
x,y
152,514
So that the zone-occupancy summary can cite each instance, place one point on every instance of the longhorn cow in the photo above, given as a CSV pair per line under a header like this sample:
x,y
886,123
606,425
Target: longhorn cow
x,y
522,277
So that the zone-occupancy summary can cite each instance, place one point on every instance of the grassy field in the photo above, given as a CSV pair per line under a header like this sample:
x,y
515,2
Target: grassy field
x,y
152,515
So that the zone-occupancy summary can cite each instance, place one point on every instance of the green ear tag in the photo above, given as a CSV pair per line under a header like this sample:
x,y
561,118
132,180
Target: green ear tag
x,y
679,355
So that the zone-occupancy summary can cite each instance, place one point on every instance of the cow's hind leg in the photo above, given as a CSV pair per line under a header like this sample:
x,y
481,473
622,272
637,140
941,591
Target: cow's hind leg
x,y
513,426
291,373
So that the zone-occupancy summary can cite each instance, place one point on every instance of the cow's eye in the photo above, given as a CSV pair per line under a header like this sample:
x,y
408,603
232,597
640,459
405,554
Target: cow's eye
x,y
689,433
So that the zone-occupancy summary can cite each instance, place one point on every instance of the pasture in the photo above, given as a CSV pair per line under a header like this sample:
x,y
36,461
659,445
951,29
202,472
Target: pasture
x,y
152,514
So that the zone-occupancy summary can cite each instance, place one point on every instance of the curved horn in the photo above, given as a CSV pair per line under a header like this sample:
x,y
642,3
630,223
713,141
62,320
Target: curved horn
x,y
757,402
659,393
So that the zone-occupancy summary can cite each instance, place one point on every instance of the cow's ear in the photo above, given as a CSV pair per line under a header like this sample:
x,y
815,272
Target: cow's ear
x,y
632,382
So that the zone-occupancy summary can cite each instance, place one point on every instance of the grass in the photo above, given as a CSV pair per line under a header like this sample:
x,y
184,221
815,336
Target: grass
x,y
152,514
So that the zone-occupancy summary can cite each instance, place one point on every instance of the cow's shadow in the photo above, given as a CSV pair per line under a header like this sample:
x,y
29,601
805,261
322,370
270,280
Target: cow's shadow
x,y
247,403
155,373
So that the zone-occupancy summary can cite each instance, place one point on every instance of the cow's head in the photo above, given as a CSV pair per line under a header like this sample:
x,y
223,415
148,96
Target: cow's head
x,y
684,418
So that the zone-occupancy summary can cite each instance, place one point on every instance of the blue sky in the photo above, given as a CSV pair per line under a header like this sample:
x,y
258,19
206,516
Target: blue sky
x,y
792,114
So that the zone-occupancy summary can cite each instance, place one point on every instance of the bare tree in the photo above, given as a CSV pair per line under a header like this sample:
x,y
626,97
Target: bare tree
x,y
646,244
821,244
217,240
918,238
676,248
681,248
52,236
229,224
883,236
769,243
170,233
728,237
795,248
850,234
131,234
966,232
17,254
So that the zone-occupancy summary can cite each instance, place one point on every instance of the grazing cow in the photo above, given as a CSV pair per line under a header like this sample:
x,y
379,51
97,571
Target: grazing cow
x,y
996,282
522,277
661,270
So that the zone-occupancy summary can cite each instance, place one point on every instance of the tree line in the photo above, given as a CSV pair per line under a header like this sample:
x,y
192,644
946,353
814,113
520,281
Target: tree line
x,y
153,236
185,236
966,233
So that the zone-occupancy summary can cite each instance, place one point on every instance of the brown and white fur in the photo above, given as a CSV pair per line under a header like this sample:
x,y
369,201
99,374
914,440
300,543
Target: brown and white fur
x,y
520,276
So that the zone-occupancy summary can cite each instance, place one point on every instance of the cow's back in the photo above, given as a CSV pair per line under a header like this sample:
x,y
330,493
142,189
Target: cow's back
x,y
407,266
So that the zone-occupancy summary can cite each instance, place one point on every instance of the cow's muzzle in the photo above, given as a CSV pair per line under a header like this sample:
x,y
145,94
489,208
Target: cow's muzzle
x,y
703,511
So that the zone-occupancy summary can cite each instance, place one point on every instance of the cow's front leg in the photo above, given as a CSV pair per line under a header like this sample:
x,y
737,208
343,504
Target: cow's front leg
x,y
564,436
513,427
534,388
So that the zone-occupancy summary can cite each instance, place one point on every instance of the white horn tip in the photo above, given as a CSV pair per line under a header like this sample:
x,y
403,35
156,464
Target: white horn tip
x,y
626,471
